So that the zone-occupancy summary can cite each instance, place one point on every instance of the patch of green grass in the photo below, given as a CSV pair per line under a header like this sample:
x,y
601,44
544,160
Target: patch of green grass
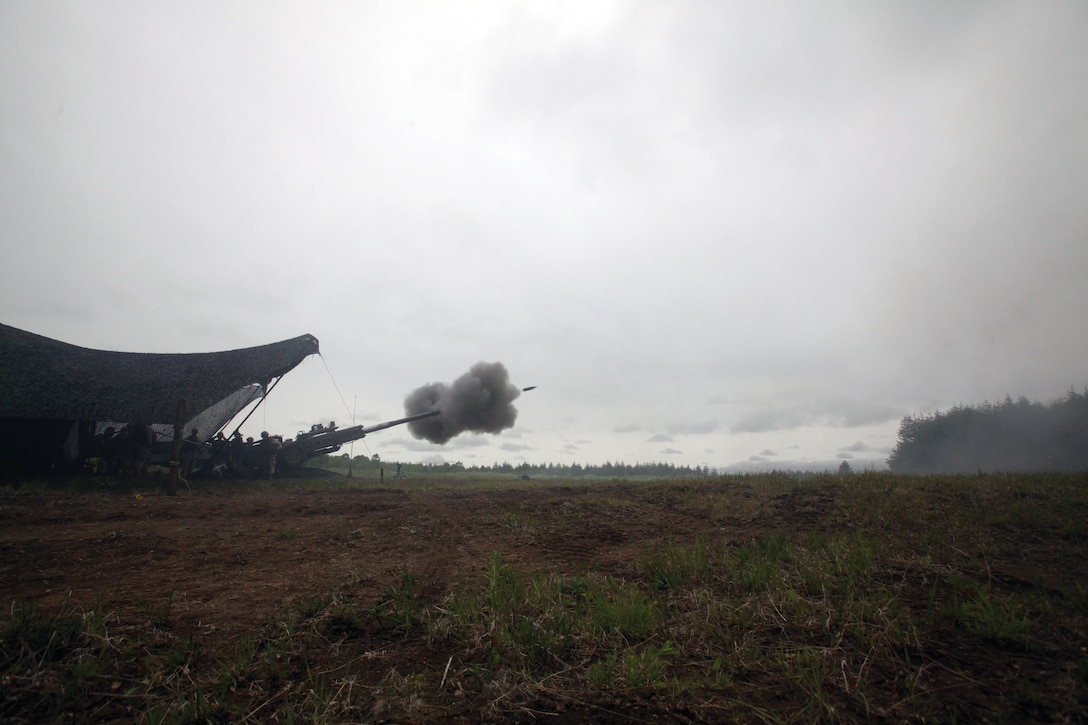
x,y
620,609
805,671
985,613
344,620
158,613
675,566
403,606
632,668
310,607
30,635
760,562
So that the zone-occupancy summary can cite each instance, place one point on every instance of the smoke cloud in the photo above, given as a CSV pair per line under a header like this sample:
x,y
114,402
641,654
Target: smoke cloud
x,y
479,401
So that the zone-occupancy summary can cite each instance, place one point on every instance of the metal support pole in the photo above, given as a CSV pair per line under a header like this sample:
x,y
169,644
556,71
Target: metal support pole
x,y
175,457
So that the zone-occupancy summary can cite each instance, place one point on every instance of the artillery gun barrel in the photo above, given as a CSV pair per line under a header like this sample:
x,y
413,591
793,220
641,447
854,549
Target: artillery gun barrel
x,y
398,421
295,453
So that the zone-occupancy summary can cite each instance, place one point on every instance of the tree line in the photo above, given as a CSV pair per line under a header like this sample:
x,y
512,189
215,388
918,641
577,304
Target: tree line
x,y
1018,435
374,465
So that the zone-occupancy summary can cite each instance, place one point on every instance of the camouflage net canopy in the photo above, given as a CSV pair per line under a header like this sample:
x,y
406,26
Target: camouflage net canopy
x,y
46,380
209,421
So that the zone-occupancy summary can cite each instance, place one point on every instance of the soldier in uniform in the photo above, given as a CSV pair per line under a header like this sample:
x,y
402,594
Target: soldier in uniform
x,y
270,446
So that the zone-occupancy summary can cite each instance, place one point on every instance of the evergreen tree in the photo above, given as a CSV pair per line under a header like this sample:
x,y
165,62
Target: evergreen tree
x,y
1012,436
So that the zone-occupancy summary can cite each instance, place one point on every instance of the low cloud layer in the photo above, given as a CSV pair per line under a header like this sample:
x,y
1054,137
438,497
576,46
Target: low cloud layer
x,y
743,226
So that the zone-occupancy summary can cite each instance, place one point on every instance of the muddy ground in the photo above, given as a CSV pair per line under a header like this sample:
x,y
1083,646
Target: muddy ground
x,y
225,562
235,560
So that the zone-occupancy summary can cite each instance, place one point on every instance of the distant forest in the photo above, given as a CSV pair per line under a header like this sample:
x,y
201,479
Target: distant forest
x,y
371,466
1009,436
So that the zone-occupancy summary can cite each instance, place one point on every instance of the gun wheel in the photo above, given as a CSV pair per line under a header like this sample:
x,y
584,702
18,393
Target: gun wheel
x,y
291,456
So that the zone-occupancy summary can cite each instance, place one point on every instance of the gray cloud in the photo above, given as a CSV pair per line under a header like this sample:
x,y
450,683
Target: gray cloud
x,y
857,447
693,427
761,227
808,408
410,444
515,447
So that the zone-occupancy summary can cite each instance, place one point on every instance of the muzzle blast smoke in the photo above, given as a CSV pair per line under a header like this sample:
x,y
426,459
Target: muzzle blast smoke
x,y
480,401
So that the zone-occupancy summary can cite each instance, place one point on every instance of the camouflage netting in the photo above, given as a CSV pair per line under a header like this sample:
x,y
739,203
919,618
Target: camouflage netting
x,y
210,420
43,379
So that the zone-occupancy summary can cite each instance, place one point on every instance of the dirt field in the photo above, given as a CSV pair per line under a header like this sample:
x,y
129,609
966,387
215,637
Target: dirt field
x,y
222,565
234,561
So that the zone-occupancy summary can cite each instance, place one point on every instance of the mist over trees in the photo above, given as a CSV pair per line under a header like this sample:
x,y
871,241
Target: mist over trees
x,y
372,465
1010,436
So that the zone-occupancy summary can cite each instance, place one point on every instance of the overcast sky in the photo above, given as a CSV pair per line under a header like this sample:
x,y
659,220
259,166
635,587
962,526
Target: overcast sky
x,y
710,232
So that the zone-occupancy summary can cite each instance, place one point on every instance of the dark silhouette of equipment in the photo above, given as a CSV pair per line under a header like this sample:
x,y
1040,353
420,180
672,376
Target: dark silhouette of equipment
x,y
325,440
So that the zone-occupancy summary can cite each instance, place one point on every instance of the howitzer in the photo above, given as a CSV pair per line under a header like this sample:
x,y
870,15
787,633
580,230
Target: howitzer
x,y
322,441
